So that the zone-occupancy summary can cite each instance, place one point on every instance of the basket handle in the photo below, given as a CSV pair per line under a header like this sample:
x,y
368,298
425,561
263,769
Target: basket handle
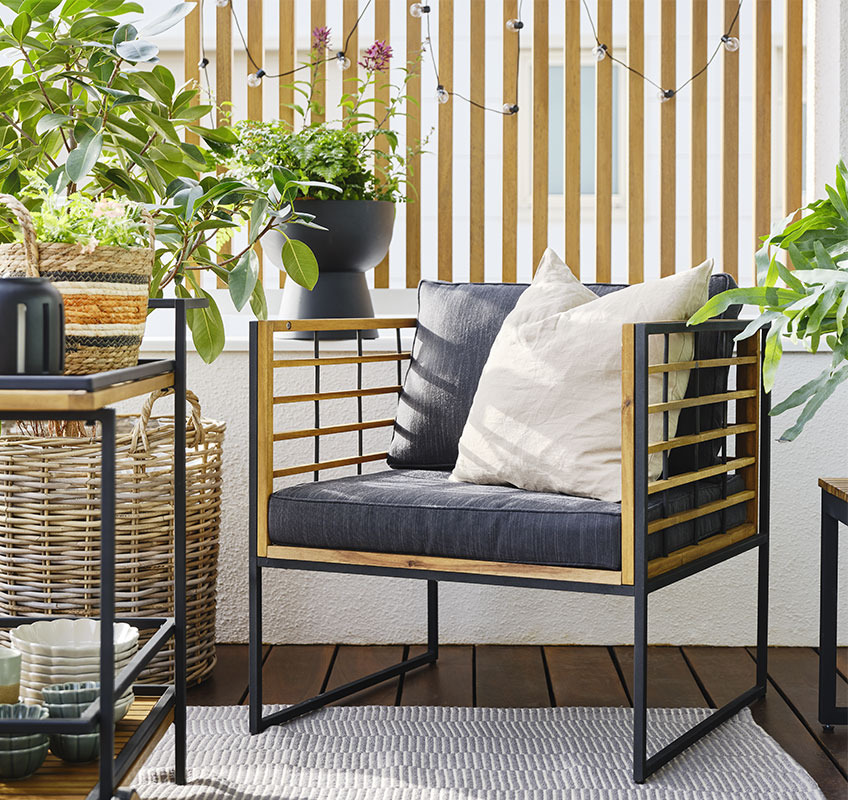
x,y
22,215
194,425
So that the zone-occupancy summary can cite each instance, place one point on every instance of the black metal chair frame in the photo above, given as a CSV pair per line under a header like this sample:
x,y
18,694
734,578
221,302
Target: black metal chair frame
x,y
638,578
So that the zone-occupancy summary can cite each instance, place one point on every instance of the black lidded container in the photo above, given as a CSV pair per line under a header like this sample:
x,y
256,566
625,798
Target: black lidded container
x,y
32,327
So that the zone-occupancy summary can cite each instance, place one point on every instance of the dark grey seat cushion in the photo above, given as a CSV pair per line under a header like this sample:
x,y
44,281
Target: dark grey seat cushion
x,y
420,512
457,324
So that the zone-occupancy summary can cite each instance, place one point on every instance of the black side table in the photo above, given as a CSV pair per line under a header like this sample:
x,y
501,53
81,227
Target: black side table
x,y
833,511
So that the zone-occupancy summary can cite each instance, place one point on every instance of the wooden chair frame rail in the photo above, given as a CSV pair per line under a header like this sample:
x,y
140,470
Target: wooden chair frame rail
x,y
745,429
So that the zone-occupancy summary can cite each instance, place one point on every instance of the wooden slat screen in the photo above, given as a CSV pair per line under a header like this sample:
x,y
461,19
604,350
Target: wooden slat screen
x,y
382,31
625,200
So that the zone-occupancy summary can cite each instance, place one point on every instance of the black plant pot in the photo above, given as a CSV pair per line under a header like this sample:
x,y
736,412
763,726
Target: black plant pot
x,y
356,240
32,327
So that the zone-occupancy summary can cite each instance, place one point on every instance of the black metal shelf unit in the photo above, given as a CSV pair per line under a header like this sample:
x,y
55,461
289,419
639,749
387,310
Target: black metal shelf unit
x,y
171,698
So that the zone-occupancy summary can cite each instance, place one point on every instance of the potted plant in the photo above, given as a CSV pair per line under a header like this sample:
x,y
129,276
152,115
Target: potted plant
x,y
85,107
806,303
359,154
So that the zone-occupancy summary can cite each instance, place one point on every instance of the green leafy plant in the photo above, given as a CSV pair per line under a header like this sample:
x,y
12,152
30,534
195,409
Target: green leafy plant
x,y
806,304
359,152
85,108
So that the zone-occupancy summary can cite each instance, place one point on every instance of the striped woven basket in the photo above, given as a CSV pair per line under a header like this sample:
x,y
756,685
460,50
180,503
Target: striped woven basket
x,y
104,291
50,527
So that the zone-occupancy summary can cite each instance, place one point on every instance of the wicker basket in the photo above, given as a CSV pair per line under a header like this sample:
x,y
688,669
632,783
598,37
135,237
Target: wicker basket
x,y
104,291
50,527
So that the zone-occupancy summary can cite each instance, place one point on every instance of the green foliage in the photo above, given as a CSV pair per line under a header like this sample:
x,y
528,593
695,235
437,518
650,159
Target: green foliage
x,y
359,153
86,108
812,304
78,219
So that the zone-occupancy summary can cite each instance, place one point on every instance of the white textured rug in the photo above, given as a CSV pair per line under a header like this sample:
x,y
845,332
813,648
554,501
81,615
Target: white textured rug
x,y
422,753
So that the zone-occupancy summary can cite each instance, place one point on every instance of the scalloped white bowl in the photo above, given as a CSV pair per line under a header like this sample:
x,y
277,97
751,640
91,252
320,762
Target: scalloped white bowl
x,y
49,668
70,638
67,661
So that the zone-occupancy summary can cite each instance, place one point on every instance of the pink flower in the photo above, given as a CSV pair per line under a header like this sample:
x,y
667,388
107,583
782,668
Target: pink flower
x,y
110,209
376,57
321,39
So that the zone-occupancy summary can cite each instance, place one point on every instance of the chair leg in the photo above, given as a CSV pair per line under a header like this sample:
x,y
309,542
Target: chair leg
x,y
255,647
644,766
258,723
433,619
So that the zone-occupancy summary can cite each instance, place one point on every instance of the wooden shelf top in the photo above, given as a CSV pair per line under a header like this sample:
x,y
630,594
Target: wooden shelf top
x,y
58,780
838,487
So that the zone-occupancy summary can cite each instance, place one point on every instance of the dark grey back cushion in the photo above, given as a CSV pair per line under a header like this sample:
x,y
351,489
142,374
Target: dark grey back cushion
x,y
457,324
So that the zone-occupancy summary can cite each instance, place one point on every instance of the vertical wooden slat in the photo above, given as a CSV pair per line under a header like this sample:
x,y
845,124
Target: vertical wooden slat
x,y
509,196
668,138
571,78
699,133
224,86
286,62
191,55
748,410
382,29
730,152
413,170
350,11
287,59
256,45
477,177
540,129
603,150
793,97
762,121
636,145
264,430
318,18
445,166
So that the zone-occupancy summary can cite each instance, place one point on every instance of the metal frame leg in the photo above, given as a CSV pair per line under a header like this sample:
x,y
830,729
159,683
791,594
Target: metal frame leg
x,y
829,713
107,601
258,723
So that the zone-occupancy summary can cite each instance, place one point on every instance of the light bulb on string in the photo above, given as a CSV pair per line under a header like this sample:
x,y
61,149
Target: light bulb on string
x,y
510,108
342,61
600,52
222,3
731,43
255,78
203,63
417,9
442,94
665,95
514,24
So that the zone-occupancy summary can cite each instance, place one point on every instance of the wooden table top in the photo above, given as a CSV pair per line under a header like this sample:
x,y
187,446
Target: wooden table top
x,y
838,487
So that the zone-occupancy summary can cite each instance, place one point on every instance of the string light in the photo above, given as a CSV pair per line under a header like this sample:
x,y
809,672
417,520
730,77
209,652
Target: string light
x,y
222,3
255,78
417,9
442,94
342,61
509,110
203,63
601,51
731,43
514,24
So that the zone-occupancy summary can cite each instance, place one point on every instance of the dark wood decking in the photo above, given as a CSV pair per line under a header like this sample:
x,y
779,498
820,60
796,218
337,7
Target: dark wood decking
x,y
565,676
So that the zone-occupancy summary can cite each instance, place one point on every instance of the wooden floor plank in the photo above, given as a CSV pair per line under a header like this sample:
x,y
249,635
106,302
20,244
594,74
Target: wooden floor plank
x,y
727,672
227,684
511,677
448,682
584,676
795,670
670,681
292,673
353,662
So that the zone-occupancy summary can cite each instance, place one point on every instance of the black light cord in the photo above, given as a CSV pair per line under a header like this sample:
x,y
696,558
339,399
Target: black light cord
x,y
667,93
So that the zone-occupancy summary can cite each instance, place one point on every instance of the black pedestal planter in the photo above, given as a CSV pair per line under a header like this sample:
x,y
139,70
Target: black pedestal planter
x,y
356,240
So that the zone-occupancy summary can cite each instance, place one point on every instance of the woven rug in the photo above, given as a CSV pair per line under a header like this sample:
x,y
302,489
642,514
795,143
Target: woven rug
x,y
422,753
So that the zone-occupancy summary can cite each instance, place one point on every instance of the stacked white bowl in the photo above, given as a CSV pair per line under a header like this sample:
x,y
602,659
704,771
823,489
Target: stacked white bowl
x,y
67,650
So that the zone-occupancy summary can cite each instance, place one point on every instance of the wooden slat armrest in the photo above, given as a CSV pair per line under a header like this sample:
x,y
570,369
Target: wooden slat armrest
x,y
341,324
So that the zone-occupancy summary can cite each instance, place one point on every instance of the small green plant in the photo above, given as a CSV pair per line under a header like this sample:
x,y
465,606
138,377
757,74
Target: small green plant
x,y
78,219
358,153
806,304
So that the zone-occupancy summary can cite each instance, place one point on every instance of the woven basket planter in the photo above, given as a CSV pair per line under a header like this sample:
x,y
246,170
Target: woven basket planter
x,y
104,292
50,527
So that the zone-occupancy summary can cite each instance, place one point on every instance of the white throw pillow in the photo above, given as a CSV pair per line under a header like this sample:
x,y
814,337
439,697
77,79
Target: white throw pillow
x,y
547,412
